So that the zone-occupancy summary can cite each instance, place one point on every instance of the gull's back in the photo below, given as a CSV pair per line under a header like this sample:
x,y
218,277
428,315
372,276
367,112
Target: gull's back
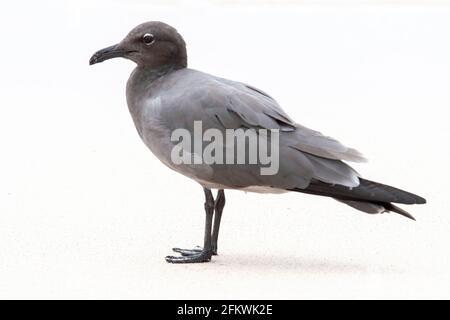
x,y
177,99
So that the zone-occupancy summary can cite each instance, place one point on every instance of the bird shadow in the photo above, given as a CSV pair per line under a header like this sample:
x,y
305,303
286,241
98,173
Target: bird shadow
x,y
302,264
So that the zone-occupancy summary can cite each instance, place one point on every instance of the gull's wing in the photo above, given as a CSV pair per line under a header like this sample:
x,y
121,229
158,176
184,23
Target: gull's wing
x,y
257,108
223,104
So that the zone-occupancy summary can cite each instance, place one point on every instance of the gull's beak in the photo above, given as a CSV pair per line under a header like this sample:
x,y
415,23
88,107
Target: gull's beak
x,y
114,51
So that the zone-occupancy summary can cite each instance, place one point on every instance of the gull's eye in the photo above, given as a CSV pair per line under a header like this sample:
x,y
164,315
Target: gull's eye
x,y
148,39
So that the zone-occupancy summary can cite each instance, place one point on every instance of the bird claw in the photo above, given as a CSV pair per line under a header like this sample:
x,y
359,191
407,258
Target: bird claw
x,y
193,258
195,251
188,252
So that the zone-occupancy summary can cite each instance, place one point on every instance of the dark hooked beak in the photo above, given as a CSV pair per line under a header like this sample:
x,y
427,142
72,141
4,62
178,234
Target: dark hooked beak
x,y
108,53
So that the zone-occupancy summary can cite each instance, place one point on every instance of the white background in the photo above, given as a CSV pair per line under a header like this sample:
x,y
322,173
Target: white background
x,y
86,211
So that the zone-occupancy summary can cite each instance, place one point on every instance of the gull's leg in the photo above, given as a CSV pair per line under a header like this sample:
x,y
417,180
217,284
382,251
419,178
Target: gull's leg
x,y
219,203
205,254
218,208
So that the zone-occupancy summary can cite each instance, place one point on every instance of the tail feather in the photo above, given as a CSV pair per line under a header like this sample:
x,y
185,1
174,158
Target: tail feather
x,y
391,207
374,208
370,197
367,207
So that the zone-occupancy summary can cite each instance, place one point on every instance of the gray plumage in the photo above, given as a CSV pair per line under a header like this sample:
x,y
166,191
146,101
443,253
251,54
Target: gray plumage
x,y
183,96
164,95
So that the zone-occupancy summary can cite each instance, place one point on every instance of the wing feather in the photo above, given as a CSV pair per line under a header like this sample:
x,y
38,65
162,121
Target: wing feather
x,y
305,154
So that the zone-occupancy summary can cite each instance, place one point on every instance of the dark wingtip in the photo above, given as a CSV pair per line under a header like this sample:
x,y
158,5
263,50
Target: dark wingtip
x,y
421,200
93,60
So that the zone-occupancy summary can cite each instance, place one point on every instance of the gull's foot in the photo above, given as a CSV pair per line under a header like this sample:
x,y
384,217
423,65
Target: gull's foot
x,y
194,251
188,252
193,257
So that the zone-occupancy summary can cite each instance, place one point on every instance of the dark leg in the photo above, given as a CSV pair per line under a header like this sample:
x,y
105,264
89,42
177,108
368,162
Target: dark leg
x,y
205,254
218,207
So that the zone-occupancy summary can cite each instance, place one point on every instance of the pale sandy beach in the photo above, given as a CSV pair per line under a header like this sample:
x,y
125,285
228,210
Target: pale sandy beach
x,y
86,211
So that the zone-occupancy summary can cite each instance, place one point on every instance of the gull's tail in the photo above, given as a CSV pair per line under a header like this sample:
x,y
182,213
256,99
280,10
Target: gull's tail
x,y
370,197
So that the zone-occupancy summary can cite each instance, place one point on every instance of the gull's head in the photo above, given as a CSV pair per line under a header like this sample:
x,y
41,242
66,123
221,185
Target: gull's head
x,y
151,44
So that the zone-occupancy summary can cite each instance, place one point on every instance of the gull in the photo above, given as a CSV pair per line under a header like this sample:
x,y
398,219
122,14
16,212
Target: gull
x,y
164,95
